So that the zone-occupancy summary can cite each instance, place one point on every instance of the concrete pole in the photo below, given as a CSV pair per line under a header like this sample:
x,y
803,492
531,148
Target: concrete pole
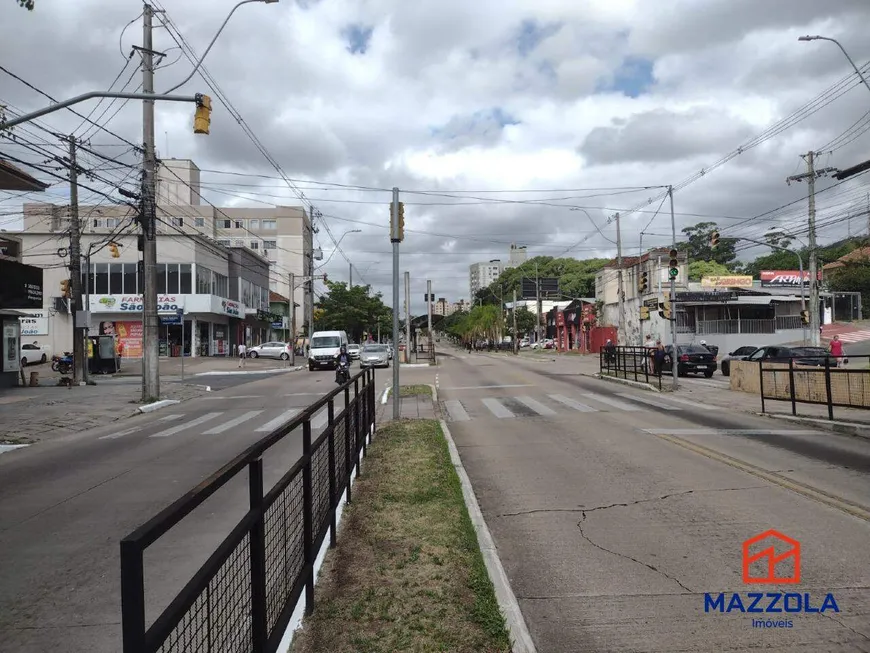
x,y
516,340
394,237
407,317
815,318
674,355
291,317
350,276
151,350
620,336
429,311
75,267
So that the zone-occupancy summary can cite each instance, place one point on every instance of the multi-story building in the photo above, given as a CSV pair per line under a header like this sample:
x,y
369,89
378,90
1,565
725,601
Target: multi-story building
x,y
518,255
482,275
460,307
442,307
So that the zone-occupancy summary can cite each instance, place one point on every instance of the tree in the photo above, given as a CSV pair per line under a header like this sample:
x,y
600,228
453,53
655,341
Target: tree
x,y
700,269
853,276
698,248
525,320
28,4
576,278
353,310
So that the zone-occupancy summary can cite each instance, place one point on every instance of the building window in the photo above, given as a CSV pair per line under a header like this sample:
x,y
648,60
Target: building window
x,y
270,244
255,245
185,277
113,223
101,278
270,224
116,278
203,280
199,222
255,224
130,287
226,224
176,222
172,278
221,285
240,224
161,278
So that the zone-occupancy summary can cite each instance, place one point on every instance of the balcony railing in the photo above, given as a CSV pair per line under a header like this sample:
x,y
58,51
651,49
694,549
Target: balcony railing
x,y
711,327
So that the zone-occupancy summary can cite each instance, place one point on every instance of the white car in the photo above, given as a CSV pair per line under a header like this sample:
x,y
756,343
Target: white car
x,y
32,353
353,350
270,350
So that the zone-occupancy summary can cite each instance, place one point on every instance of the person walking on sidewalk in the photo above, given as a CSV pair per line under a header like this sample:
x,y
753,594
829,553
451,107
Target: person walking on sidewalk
x,y
243,355
836,349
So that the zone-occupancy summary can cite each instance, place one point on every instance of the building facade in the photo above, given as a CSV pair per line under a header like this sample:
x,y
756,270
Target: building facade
x,y
442,307
518,255
481,275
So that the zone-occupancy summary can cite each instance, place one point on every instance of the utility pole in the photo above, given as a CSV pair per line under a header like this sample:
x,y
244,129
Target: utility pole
x,y
639,291
429,311
350,276
395,238
407,317
151,350
675,357
516,340
810,177
537,304
75,267
310,275
291,317
620,336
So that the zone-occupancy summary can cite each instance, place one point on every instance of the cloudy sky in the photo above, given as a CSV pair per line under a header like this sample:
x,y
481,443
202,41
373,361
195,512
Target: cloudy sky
x,y
500,120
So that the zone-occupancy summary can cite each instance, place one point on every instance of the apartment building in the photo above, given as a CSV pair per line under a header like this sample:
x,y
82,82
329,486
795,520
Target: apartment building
x,y
442,307
517,256
483,274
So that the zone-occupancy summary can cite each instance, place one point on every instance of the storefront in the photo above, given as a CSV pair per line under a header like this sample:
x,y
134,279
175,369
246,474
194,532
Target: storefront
x,y
21,290
197,325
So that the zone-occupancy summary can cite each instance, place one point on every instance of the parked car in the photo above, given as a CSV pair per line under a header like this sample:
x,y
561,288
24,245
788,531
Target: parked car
x,y
374,355
692,359
33,353
353,349
807,356
739,354
270,350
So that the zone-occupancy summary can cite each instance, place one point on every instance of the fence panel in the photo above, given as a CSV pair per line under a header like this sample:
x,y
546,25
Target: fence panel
x,y
634,363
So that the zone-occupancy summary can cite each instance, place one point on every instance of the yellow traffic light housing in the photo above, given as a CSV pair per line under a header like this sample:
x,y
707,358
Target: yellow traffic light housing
x,y
202,118
397,223
805,317
714,240
113,248
644,282
401,221
673,265
65,288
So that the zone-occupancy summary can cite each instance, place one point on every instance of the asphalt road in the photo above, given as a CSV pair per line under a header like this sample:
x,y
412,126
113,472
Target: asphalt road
x,y
615,510
66,503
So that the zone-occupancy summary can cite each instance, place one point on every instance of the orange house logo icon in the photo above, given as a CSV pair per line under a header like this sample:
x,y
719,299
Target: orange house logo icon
x,y
792,552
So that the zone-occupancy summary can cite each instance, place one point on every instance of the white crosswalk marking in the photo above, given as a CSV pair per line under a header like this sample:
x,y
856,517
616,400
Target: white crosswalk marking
x,y
576,405
187,425
121,434
536,406
693,404
496,408
226,426
647,400
278,421
456,411
621,405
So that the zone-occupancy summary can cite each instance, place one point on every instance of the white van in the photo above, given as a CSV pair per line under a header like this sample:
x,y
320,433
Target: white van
x,y
325,346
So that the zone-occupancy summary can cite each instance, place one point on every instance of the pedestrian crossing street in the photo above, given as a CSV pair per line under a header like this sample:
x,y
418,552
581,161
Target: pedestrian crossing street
x,y
222,422
523,406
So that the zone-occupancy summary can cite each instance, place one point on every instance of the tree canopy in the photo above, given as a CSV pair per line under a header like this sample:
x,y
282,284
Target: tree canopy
x,y
27,4
700,269
576,278
698,246
354,310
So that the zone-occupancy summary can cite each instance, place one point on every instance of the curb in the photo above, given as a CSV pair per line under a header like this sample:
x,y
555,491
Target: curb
x,y
846,428
628,382
507,600
157,405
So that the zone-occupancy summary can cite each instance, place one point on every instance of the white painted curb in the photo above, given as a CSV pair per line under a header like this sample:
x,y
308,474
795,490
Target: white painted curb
x,y
157,405
507,601
386,395
414,365
274,370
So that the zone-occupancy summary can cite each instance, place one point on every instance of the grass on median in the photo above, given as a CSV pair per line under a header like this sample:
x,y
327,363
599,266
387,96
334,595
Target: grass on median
x,y
407,574
415,390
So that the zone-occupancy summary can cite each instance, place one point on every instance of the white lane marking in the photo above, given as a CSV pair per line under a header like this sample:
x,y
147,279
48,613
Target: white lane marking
x,y
693,404
456,411
226,426
121,434
647,400
320,419
236,397
187,425
305,394
496,408
621,405
278,421
536,406
727,432
576,405
484,387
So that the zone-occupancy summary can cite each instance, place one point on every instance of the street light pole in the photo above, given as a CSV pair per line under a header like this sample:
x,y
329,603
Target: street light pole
x,y
825,38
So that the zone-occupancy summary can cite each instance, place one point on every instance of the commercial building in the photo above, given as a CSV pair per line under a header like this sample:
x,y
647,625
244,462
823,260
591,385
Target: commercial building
x,y
482,275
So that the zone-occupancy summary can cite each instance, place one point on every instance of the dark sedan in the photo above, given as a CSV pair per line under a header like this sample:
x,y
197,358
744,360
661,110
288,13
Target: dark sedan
x,y
739,354
692,359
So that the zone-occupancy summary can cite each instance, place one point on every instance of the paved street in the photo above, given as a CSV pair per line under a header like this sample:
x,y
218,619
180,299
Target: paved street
x,y
66,502
614,510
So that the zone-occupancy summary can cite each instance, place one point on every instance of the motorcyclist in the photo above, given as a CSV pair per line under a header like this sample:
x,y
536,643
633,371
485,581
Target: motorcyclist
x,y
342,357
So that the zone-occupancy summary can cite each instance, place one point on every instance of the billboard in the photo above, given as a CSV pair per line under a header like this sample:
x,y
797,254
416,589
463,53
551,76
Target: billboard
x,y
22,285
128,336
785,278
734,281
549,287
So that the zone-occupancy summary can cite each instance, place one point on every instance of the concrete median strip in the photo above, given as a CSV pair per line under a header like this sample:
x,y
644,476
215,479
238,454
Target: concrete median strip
x,y
157,405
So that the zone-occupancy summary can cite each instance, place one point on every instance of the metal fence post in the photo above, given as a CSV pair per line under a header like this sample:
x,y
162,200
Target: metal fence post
x,y
307,518
828,387
634,363
358,414
373,408
132,597
259,625
761,382
334,496
791,385
348,458
601,362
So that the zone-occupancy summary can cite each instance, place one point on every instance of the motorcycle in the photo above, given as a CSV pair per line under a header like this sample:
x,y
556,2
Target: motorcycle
x,y
342,373
62,364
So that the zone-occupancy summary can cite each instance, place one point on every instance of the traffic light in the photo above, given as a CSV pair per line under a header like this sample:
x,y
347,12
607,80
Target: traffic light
x,y
673,265
397,224
714,240
401,221
665,309
644,312
113,248
202,118
805,317
644,282
65,289
324,278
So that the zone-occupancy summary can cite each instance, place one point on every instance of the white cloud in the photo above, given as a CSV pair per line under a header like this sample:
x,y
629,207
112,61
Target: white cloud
x,y
423,109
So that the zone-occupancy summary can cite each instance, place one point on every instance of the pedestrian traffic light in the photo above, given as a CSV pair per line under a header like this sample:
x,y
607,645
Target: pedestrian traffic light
x,y
673,265
714,240
644,282
202,118
805,317
65,288
113,248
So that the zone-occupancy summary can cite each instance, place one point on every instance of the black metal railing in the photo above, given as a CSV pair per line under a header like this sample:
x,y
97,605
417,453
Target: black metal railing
x,y
822,380
635,363
243,596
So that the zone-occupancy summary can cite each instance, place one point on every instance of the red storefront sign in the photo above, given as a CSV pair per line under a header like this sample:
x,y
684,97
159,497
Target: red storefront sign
x,y
785,278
